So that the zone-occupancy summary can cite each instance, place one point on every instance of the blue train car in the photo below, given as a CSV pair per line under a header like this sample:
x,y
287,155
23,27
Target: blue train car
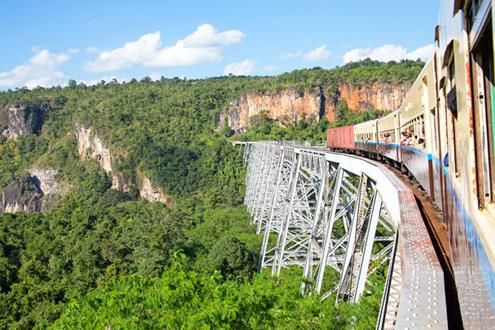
x,y
444,135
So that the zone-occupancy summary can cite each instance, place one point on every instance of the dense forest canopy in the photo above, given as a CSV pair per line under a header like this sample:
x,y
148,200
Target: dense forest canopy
x,y
104,257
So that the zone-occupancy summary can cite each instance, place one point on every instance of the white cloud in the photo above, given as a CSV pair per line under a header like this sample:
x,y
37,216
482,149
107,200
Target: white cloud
x,y
203,45
318,54
130,54
92,50
289,56
269,68
243,68
155,76
206,36
41,70
423,53
74,50
388,53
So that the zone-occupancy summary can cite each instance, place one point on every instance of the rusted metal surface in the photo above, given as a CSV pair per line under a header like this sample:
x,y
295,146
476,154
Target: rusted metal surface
x,y
341,137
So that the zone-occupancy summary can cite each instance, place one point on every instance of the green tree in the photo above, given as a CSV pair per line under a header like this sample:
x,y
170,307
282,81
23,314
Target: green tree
x,y
72,84
232,259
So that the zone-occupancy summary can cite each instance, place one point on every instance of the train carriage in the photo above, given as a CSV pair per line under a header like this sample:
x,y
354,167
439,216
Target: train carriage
x,y
341,138
444,135
465,73
412,118
389,136
366,136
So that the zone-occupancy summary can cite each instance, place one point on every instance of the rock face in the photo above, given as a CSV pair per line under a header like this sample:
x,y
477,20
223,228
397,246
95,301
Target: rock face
x,y
37,192
90,146
22,195
290,105
153,194
46,180
377,96
21,119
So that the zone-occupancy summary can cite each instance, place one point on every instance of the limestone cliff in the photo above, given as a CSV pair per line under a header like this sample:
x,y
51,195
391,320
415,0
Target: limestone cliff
x,y
287,106
152,193
20,119
47,181
376,96
90,146
21,195
38,191
290,105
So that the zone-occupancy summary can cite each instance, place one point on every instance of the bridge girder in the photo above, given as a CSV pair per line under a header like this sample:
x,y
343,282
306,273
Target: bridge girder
x,y
329,214
319,214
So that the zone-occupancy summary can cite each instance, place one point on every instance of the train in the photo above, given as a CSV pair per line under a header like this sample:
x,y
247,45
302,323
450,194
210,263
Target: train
x,y
443,134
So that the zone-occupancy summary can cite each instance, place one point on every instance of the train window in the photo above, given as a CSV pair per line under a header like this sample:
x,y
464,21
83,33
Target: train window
x,y
474,8
413,133
434,129
451,98
484,105
420,140
452,93
387,136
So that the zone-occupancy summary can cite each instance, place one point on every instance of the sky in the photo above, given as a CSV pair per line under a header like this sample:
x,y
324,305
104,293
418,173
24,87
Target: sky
x,y
47,43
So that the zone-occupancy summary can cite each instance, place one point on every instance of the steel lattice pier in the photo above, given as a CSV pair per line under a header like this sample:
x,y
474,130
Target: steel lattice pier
x,y
331,212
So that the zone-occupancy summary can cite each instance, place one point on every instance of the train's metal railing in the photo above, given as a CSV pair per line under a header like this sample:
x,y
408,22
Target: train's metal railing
x,y
328,212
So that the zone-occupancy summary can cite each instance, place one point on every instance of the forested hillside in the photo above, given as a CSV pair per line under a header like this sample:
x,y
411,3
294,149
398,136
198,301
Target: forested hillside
x,y
98,257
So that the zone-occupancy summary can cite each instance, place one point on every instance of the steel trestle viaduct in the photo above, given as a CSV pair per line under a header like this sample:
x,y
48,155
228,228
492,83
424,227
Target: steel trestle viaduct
x,y
331,212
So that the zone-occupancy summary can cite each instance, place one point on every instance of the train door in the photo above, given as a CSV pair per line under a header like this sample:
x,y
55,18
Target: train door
x,y
428,132
440,130
481,37
452,112
397,138
444,161
449,159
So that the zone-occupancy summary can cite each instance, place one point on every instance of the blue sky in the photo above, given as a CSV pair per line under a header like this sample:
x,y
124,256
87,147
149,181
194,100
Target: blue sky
x,y
49,42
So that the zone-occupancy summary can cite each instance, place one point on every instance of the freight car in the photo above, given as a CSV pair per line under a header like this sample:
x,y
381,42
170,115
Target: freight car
x,y
444,135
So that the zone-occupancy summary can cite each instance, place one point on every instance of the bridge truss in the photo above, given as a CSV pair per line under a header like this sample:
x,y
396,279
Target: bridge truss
x,y
332,213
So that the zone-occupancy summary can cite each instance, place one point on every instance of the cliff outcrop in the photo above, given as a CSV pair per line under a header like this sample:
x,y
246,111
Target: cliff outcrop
x,y
21,195
291,105
152,193
20,119
90,146
386,97
286,106
39,191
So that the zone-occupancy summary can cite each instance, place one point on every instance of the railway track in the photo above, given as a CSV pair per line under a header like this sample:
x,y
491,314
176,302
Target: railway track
x,y
438,231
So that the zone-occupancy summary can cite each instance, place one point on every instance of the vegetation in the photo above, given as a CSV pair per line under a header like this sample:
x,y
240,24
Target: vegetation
x,y
206,301
104,257
360,73
264,128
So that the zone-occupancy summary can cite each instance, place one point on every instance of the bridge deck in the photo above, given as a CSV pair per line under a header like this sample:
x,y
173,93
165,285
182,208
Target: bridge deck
x,y
414,294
